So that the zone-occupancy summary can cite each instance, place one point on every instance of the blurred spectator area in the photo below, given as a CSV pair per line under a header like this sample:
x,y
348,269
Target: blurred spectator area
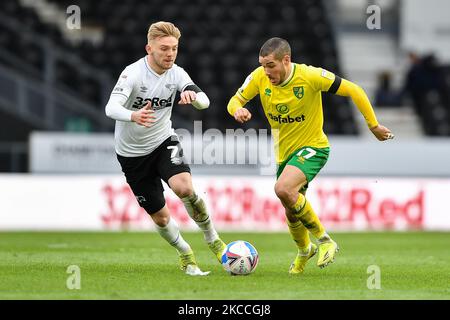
x,y
218,48
427,86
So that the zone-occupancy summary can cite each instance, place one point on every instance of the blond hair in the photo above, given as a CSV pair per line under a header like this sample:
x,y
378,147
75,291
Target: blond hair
x,y
162,29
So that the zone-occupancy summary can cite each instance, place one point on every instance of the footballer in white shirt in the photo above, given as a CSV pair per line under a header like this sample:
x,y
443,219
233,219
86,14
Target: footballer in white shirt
x,y
147,147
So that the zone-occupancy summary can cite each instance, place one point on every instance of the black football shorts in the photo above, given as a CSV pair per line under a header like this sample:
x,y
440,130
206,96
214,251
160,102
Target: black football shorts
x,y
144,173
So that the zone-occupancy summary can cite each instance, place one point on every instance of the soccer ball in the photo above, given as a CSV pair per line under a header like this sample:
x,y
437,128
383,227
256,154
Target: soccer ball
x,y
240,258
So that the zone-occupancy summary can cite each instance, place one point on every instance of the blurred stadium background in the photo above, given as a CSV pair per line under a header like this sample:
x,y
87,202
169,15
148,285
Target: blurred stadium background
x,y
57,161
55,82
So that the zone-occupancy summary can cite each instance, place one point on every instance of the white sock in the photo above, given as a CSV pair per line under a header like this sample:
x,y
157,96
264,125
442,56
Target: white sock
x,y
171,233
209,231
196,208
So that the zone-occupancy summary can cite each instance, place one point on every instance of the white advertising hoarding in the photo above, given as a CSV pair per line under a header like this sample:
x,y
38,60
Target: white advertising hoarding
x,y
93,153
247,203
63,152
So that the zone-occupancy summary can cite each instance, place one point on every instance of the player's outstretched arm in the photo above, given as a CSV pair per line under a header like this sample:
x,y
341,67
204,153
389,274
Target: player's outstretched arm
x,y
236,108
360,99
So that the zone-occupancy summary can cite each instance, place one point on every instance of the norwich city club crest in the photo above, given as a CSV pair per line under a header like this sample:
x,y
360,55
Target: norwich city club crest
x,y
299,92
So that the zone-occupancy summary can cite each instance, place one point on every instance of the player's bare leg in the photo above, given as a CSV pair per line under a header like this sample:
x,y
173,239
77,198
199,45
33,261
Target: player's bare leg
x,y
169,231
181,184
299,210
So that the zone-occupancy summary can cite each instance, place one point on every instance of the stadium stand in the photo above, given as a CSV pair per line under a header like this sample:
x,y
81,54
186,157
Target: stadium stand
x,y
218,47
428,85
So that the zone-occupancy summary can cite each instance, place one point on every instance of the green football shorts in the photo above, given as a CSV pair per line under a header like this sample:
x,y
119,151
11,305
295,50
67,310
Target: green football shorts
x,y
308,159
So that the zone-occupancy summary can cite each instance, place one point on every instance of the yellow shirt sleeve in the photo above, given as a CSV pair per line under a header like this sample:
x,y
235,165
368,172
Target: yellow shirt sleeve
x,y
359,97
234,104
320,79
249,88
245,93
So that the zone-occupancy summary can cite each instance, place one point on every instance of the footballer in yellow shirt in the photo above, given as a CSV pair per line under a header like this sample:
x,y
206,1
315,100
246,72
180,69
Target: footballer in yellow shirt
x,y
290,94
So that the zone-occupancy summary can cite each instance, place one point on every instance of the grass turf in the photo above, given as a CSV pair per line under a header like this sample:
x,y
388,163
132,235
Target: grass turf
x,y
128,265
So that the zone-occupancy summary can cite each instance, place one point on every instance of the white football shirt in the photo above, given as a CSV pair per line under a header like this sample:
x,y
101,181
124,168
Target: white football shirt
x,y
138,83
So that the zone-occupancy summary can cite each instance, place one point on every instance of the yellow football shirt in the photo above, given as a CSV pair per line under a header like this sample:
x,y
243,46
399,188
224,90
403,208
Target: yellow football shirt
x,y
293,108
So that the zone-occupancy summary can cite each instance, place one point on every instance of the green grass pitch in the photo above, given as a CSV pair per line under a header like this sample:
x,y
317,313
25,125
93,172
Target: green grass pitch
x,y
138,265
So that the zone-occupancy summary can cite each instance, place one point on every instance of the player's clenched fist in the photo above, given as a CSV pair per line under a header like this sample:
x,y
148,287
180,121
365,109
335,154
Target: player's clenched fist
x,y
145,116
242,115
382,133
187,97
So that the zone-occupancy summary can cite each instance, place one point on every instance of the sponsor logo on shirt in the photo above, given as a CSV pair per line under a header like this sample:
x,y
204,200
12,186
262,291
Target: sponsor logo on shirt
x,y
156,103
280,119
282,108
